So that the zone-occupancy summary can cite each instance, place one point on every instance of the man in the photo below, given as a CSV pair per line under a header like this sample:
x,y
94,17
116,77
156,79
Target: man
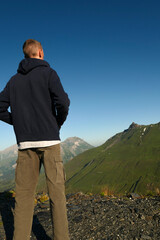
x,y
39,107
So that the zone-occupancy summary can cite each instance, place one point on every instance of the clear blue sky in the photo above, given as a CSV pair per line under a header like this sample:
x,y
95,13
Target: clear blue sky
x,y
106,52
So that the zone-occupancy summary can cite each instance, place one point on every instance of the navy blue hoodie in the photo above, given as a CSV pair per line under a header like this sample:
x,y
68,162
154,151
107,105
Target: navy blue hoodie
x,y
39,104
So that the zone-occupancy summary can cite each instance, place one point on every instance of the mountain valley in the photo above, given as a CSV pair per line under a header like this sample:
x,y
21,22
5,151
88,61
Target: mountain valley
x,y
69,148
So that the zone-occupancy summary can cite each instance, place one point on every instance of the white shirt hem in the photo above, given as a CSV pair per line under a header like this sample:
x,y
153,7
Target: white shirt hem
x,y
37,144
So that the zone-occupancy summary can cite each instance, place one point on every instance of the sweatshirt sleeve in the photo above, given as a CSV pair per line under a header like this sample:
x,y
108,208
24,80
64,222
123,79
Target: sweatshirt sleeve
x,y
59,98
5,115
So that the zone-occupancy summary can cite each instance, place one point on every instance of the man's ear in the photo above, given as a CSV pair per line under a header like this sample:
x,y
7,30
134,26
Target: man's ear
x,y
40,53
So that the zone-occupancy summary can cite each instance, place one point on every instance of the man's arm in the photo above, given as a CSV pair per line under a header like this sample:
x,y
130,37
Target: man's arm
x,y
5,116
59,97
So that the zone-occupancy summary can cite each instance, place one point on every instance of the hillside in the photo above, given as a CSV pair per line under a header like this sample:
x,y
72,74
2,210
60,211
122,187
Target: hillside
x,y
91,217
70,148
127,162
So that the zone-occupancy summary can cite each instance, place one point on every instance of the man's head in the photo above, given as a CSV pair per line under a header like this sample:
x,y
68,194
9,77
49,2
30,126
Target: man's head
x,y
33,49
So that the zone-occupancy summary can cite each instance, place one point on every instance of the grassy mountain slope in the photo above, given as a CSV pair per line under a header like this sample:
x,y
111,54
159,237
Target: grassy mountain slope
x,y
127,162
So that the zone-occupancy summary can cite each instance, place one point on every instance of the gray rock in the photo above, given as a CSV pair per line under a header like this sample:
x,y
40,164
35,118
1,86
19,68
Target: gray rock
x,y
93,218
134,196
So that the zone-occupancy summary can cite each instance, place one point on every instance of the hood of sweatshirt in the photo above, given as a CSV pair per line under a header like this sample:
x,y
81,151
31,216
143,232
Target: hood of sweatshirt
x,y
27,64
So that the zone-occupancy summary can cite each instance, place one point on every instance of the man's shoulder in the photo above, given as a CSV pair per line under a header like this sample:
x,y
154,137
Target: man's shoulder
x,y
12,78
53,71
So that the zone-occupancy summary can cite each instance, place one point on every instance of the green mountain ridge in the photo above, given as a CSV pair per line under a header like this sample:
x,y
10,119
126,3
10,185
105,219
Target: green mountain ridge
x,y
127,162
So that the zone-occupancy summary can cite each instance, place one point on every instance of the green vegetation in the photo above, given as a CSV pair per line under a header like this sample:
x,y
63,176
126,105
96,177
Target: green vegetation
x,y
127,162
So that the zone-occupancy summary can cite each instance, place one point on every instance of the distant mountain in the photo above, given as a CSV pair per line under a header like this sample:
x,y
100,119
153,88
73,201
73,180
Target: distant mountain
x,y
127,162
69,148
73,146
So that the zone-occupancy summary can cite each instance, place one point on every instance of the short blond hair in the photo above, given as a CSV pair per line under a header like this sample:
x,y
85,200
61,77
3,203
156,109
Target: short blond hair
x,y
30,48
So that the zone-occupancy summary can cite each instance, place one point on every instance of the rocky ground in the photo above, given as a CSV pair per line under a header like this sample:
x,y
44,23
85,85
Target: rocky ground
x,y
92,217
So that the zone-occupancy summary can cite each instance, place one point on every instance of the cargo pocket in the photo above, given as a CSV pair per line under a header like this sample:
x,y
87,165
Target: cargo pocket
x,y
60,174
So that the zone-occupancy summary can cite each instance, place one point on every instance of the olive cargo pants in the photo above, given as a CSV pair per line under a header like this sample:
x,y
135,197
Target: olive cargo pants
x,y
26,177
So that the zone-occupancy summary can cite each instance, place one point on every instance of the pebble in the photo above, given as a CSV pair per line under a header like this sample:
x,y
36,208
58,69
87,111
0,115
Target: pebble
x,y
92,217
